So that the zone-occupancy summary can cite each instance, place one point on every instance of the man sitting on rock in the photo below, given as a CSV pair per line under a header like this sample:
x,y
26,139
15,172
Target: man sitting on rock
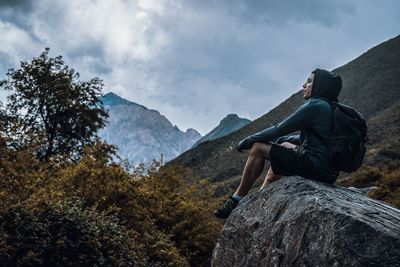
x,y
303,155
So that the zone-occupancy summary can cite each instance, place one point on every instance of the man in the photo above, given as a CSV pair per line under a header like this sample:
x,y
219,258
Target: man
x,y
304,155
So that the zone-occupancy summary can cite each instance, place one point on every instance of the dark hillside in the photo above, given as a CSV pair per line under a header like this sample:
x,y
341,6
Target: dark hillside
x,y
384,129
372,81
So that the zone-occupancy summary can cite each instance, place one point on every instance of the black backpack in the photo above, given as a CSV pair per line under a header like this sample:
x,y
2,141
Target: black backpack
x,y
346,144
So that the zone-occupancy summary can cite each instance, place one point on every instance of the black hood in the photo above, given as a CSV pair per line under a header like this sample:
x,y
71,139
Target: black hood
x,y
326,85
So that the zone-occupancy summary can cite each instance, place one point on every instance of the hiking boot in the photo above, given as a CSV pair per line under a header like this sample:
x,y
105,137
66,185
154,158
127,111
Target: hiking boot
x,y
227,208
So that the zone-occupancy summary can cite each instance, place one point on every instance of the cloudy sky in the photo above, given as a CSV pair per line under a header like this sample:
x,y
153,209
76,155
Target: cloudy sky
x,y
196,61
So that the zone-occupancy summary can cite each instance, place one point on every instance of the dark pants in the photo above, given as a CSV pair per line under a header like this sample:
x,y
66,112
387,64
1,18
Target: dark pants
x,y
289,162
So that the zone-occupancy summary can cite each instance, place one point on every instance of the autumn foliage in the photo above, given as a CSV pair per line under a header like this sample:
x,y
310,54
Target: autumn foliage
x,y
386,179
94,209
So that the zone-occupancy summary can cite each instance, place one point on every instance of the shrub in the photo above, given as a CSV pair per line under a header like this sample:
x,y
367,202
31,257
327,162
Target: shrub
x,y
365,176
385,177
389,186
64,233
169,221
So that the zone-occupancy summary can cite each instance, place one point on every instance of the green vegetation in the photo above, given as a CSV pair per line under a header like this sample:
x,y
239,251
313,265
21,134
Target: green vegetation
x,y
164,219
64,232
63,199
50,108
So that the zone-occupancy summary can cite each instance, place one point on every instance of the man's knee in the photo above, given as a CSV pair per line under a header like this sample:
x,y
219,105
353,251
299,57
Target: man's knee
x,y
260,149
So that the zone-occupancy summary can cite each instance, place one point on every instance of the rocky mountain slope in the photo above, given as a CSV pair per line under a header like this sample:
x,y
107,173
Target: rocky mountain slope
x,y
371,84
229,124
141,134
298,222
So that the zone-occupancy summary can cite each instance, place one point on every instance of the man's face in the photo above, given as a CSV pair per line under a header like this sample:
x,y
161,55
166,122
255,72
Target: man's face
x,y
307,86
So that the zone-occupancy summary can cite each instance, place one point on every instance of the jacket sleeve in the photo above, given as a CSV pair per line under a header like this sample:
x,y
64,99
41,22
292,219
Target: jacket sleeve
x,y
300,119
294,139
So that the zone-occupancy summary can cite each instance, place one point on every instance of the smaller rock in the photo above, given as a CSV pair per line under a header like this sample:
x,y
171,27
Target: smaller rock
x,y
363,190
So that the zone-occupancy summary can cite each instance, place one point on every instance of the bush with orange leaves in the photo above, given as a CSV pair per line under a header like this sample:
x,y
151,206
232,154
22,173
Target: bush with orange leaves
x,y
386,179
167,221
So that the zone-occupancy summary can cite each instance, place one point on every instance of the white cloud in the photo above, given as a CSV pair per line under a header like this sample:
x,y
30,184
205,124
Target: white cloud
x,y
15,48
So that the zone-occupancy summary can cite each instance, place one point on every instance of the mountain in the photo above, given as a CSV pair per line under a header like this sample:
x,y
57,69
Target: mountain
x,y
142,134
371,84
229,124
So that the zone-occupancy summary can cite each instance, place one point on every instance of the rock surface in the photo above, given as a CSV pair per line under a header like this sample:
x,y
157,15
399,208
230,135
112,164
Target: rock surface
x,y
297,222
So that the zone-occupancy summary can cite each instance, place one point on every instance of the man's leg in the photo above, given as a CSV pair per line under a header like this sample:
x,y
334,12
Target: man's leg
x,y
271,176
254,166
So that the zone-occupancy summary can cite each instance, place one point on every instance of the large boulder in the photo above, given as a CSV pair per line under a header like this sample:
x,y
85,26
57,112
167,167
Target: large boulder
x,y
298,222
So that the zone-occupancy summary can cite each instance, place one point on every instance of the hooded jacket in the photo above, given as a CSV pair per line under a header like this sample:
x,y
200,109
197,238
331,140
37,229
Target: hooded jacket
x,y
315,115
